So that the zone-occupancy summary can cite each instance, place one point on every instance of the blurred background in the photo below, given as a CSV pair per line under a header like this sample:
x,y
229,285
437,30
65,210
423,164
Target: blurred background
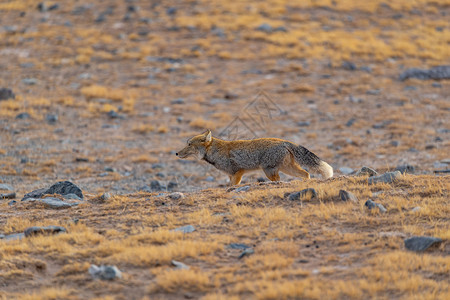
x,y
103,93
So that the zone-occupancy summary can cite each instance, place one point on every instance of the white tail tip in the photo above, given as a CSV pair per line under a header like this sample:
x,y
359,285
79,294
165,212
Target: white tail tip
x,y
325,170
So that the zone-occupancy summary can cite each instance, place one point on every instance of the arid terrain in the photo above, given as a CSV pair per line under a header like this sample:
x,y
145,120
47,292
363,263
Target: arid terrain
x,y
104,93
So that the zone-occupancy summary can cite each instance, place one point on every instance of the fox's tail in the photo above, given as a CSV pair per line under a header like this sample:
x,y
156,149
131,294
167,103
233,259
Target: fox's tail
x,y
311,161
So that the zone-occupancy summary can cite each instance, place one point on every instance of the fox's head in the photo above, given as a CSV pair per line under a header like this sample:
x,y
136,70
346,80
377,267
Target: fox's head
x,y
196,146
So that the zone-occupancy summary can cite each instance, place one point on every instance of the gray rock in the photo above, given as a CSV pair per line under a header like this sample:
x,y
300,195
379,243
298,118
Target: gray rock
x,y
348,65
238,246
13,236
8,196
185,229
306,194
23,116
366,171
350,122
35,194
416,209
65,188
105,272
242,189
6,94
347,196
246,252
47,230
4,186
12,202
112,114
29,81
177,101
346,170
179,265
303,124
51,118
371,205
388,177
72,197
51,202
436,73
265,27
210,179
405,169
176,196
105,196
421,243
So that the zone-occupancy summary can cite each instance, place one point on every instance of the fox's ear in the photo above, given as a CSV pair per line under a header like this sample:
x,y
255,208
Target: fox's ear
x,y
208,136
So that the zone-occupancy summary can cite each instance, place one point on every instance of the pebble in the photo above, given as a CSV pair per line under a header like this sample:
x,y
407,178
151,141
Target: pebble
x,y
346,170
185,229
405,169
6,94
303,195
421,243
51,119
364,171
36,230
303,124
238,246
348,65
246,252
347,196
179,265
23,116
177,101
12,202
265,27
388,177
242,189
105,272
370,205
176,196
29,81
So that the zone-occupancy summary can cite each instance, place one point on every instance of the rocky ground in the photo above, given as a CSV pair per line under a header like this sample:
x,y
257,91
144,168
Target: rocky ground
x,y
104,93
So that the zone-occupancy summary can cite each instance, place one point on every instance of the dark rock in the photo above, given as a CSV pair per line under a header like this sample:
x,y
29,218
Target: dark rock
x,y
261,179
406,169
436,73
394,143
350,122
436,85
156,186
23,116
231,96
171,11
12,202
371,205
51,119
410,88
246,252
47,230
179,265
303,195
238,246
109,169
177,101
265,27
64,188
442,171
171,185
421,243
7,187
303,124
113,114
280,29
6,94
35,194
366,171
388,177
105,272
8,196
348,65
382,125
347,196
185,229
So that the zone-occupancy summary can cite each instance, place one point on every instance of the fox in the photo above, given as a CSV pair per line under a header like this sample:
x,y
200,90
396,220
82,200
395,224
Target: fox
x,y
238,157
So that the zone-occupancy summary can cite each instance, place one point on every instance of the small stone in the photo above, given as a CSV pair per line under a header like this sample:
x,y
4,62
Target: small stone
x,y
51,119
171,11
105,272
105,196
238,246
346,170
64,188
36,230
156,186
35,194
350,122
179,265
185,229
421,243
373,92
405,169
8,196
303,195
6,94
436,85
416,209
265,27
112,114
176,196
388,177
242,189
371,205
23,116
177,101
347,196
364,171
303,124
7,187
30,81
246,252
12,202
348,65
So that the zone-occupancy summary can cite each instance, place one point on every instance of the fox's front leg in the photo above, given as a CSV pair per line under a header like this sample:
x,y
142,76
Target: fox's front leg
x,y
236,177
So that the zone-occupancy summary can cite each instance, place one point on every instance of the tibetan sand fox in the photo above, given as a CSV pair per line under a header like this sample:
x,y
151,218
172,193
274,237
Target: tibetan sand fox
x,y
269,154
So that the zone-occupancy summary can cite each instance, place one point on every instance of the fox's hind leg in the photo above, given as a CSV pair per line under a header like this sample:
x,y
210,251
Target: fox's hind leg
x,y
295,170
272,174
236,177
